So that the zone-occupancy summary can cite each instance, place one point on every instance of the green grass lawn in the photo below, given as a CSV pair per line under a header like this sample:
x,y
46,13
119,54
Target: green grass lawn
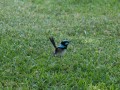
x,y
92,61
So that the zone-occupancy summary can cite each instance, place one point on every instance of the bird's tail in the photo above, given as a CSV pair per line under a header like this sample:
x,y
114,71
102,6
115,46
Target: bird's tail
x,y
52,41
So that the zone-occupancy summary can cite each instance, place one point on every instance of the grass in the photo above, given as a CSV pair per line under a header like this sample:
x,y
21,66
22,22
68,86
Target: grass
x,y
92,59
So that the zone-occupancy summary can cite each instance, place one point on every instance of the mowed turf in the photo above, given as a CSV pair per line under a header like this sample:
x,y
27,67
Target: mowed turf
x,y
92,60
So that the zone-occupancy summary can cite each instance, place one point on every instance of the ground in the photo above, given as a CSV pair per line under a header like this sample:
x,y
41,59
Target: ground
x,y
92,60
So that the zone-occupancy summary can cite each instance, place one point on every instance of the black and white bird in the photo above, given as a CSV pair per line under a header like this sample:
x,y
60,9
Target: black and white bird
x,y
59,50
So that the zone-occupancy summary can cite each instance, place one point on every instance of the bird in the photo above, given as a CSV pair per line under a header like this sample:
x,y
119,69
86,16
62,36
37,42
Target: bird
x,y
61,48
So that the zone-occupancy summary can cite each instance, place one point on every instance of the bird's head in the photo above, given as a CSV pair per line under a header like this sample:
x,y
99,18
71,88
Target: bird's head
x,y
64,44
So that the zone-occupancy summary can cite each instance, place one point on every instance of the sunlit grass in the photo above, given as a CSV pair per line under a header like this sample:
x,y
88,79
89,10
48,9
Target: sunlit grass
x,y
92,59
